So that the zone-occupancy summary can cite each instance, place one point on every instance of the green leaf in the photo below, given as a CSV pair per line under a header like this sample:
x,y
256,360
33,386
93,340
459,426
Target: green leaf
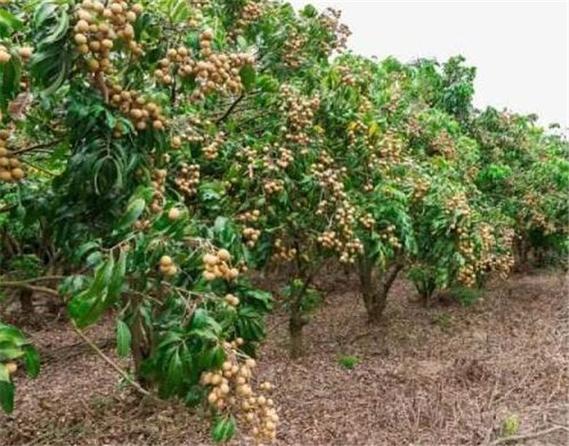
x,y
8,23
10,76
7,396
123,339
223,429
248,77
32,361
4,375
133,212
117,279
174,375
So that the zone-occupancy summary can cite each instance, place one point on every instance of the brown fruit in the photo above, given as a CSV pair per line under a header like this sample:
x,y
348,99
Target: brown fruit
x,y
11,367
17,174
80,39
26,52
224,255
174,214
4,56
166,261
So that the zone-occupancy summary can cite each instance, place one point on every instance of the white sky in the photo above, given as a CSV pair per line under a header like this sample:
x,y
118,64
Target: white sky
x,y
520,48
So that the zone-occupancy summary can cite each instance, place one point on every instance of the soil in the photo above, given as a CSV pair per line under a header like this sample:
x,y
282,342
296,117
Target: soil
x,y
443,375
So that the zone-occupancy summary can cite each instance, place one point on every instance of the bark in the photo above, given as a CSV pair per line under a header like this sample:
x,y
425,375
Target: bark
x,y
138,344
296,324
375,286
26,301
297,320
521,252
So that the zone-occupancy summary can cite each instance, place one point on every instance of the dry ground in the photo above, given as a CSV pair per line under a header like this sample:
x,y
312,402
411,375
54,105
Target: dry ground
x,y
445,375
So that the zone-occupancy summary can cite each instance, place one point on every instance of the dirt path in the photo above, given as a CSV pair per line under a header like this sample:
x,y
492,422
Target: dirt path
x,y
444,375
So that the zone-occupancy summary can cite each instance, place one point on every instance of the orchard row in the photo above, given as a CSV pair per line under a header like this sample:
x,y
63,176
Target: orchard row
x,y
153,159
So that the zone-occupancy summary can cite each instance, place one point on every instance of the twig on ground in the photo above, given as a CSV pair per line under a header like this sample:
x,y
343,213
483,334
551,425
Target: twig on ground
x,y
530,435
113,364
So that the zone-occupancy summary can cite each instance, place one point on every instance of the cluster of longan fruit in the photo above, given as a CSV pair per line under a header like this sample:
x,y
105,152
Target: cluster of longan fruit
x,y
199,3
99,25
159,184
25,53
231,300
231,390
273,186
330,18
249,216
250,13
10,166
329,178
467,272
346,75
367,221
292,50
328,239
390,146
443,144
299,112
368,187
188,179
273,162
285,157
350,246
218,72
413,127
167,266
467,275
211,151
390,237
177,61
217,266
251,235
355,129
394,102
458,204
249,156
282,253
142,113
343,240
500,263
420,188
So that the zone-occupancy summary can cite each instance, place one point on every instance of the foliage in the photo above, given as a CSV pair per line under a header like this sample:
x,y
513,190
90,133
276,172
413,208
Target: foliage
x,y
349,362
153,155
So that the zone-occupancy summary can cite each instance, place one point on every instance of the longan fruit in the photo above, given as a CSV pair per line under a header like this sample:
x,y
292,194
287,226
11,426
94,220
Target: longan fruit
x,y
80,39
174,214
17,174
166,261
224,255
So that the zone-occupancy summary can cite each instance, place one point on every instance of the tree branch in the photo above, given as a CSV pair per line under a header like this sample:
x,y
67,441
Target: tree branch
x,y
38,146
530,435
25,285
113,364
231,108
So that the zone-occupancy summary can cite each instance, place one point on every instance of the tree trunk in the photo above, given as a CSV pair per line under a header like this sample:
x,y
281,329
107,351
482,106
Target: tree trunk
x,y
521,251
138,345
295,326
26,301
375,286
